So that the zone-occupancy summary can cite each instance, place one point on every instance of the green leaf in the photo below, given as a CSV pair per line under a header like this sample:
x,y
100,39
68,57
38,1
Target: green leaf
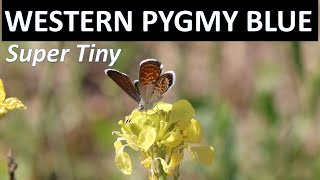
x,y
147,137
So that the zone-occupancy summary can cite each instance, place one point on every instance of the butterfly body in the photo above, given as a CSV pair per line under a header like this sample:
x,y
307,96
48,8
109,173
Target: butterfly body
x,y
151,85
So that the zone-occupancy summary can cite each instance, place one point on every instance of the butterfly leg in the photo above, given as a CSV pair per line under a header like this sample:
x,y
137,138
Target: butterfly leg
x,y
127,120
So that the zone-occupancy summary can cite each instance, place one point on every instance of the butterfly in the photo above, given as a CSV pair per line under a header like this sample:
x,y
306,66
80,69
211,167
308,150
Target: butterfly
x,y
151,85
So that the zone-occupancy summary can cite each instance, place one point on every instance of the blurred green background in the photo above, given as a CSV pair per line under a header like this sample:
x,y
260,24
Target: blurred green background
x,y
258,104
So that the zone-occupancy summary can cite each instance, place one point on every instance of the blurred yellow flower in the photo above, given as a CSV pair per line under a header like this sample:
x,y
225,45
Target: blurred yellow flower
x,y
9,103
161,134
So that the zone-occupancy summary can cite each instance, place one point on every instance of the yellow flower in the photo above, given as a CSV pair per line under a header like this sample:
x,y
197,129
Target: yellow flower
x,y
161,134
9,103
175,160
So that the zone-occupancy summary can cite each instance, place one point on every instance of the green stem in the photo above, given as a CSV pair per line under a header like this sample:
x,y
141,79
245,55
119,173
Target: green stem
x,y
162,174
152,162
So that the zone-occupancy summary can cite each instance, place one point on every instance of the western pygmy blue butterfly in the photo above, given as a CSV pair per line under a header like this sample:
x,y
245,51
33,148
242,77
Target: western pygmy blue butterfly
x,y
150,87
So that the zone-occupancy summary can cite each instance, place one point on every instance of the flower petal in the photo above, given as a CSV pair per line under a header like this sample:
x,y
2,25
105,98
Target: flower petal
x,y
162,106
134,128
147,137
193,133
123,162
182,112
136,116
117,145
153,177
146,162
2,92
176,159
167,169
3,112
13,103
204,154
173,140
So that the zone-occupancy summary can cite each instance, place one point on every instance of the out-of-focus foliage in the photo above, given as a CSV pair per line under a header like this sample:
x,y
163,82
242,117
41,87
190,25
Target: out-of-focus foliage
x,y
257,102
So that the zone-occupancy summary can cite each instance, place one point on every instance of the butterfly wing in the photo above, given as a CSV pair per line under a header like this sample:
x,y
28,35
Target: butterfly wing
x,y
150,70
124,82
164,83
136,84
